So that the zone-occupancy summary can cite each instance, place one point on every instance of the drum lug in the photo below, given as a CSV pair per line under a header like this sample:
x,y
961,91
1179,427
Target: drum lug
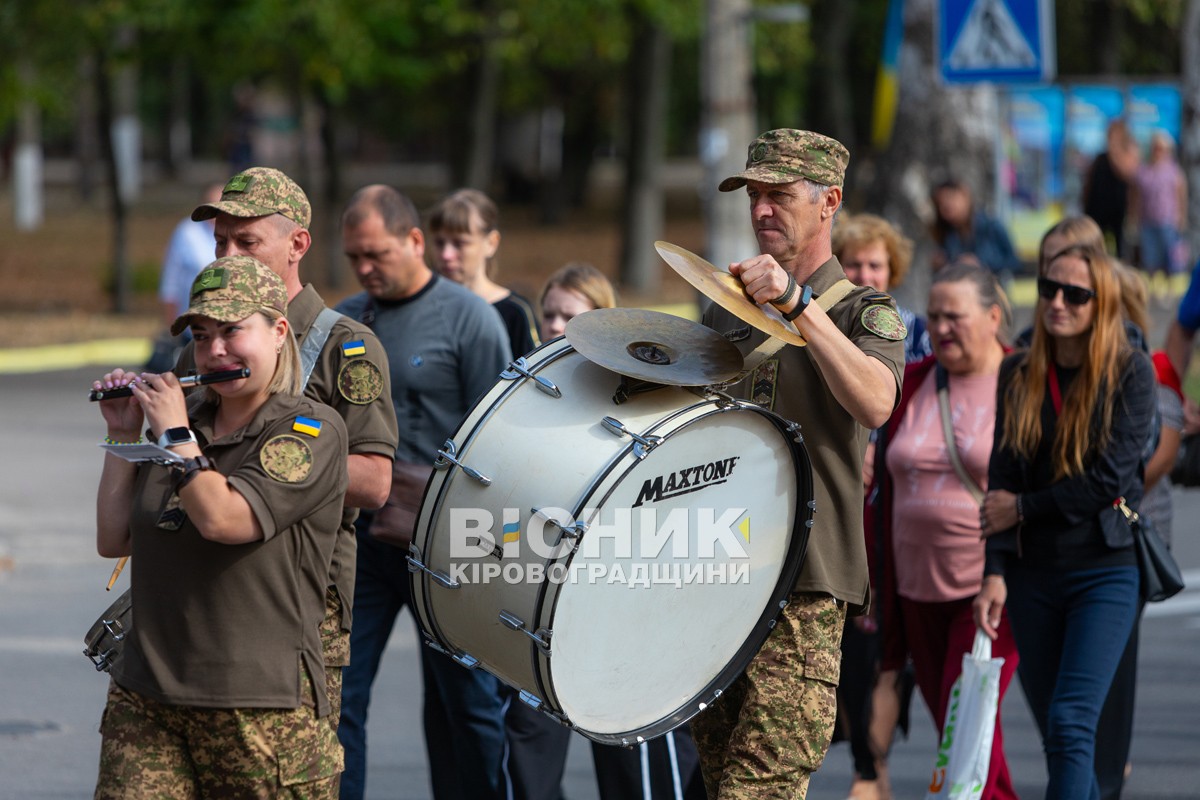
x,y
448,455
572,531
100,661
533,701
642,444
541,637
520,369
415,565
794,429
466,660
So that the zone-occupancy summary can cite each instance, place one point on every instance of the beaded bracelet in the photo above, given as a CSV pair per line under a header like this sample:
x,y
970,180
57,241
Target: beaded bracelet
x,y
110,440
783,299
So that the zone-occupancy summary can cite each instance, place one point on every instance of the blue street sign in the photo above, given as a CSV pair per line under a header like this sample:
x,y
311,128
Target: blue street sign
x,y
998,41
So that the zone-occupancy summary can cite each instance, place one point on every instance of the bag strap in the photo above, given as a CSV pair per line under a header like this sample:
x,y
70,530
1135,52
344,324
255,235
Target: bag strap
x,y
314,343
982,647
943,394
835,294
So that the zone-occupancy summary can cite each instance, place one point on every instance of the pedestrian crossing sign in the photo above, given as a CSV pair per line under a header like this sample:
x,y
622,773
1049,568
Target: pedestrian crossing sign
x,y
998,41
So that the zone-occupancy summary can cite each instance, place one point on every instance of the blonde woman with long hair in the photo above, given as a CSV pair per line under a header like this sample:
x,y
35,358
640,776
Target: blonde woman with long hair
x,y
1073,415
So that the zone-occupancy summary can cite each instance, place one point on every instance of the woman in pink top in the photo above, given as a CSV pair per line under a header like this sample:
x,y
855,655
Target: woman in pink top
x,y
933,540
1160,199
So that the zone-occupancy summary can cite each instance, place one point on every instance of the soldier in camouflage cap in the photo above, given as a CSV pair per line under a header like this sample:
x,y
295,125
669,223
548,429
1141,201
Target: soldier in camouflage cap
x,y
259,192
787,154
263,213
769,731
231,289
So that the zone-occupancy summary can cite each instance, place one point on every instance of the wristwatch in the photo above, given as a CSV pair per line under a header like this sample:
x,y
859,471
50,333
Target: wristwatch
x,y
174,437
801,304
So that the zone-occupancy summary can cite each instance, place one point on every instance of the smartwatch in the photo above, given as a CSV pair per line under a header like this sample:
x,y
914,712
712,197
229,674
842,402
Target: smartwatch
x,y
174,437
801,304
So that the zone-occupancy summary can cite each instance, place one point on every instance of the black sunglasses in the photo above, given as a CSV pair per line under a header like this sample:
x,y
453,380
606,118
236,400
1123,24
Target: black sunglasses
x,y
1075,295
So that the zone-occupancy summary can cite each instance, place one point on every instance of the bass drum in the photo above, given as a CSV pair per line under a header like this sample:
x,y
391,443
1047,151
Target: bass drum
x,y
680,522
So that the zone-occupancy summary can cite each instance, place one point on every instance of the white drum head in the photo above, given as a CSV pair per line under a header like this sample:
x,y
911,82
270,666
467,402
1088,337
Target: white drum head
x,y
722,495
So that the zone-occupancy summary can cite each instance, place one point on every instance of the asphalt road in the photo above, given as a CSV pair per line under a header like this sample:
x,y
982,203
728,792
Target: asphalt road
x,y
52,589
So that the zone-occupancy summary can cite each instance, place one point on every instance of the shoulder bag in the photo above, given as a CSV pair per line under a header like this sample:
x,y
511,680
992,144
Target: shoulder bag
x,y
1160,575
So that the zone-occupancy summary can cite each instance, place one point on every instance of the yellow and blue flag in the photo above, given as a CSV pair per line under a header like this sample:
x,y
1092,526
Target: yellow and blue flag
x,y
354,348
887,81
305,425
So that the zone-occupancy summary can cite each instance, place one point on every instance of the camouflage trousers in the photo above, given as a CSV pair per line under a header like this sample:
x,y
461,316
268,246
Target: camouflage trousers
x,y
167,752
335,650
768,732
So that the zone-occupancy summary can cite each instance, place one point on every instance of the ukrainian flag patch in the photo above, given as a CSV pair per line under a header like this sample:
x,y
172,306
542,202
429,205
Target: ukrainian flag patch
x,y
305,425
354,348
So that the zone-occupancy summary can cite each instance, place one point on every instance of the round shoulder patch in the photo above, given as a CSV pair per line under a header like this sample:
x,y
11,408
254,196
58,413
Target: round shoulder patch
x,y
884,321
360,381
286,458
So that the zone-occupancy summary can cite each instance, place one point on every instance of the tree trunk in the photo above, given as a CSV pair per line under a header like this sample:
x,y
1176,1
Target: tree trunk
x,y
642,211
1106,37
28,208
122,280
940,132
87,128
726,128
126,128
829,94
481,149
178,150
1189,149
333,190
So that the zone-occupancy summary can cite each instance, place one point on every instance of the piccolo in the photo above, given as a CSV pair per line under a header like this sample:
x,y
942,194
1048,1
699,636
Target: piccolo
x,y
186,381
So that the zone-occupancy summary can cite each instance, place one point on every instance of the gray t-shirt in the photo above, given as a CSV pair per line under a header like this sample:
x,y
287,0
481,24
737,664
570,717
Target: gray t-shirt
x,y
445,347
1156,504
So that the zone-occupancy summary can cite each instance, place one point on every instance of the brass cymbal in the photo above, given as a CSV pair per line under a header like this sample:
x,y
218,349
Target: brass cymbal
x,y
653,346
727,292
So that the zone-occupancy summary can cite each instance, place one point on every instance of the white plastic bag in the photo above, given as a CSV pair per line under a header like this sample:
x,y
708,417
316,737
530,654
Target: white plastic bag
x,y
965,752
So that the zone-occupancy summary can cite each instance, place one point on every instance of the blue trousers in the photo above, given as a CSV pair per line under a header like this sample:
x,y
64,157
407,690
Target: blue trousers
x,y
463,709
1071,629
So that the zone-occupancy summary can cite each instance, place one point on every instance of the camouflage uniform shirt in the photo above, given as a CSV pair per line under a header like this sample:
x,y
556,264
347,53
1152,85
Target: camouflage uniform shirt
x,y
791,385
228,626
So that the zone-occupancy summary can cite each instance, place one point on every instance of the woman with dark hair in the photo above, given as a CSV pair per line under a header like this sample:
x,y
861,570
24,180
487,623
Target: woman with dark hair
x,y
960,229
1073,415
465,235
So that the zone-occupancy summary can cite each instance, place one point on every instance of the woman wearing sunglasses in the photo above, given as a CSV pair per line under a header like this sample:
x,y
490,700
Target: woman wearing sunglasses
x,y
1073,413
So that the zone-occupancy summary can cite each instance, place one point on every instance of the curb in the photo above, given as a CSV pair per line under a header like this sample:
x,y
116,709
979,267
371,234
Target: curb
x,y
106,352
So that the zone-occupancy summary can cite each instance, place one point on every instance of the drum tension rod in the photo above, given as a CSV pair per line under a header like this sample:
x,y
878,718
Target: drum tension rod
x,y
541,637
448,455
416,565
464,659
642,444
520,369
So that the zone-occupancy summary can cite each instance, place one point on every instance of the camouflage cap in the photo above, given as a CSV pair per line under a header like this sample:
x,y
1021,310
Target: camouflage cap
x,y
257,192
786,155
231,289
